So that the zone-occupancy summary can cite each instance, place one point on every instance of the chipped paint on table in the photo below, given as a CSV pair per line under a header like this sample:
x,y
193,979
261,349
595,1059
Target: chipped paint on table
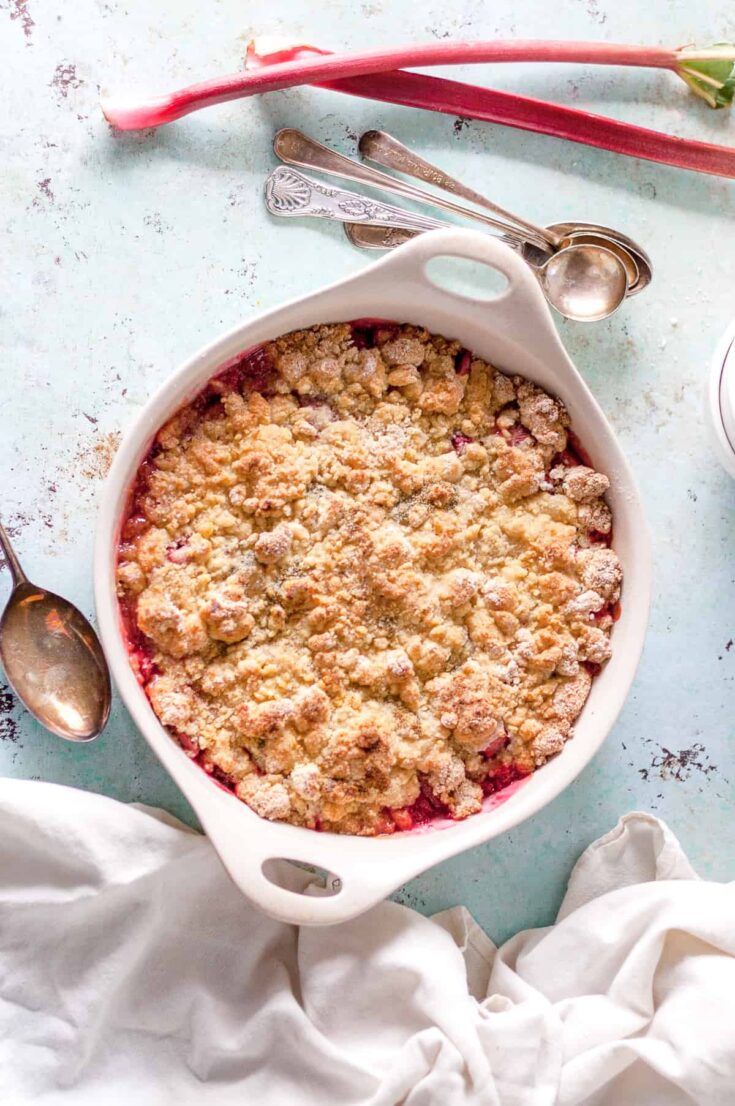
x,y
124,253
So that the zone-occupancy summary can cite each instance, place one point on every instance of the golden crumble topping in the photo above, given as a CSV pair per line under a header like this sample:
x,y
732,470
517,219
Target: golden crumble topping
x,y
367,578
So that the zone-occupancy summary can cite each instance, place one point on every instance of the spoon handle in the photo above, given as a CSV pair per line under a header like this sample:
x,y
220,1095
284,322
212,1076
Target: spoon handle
x,y
389,238
382,148
378,238
296,148
290,193
19,576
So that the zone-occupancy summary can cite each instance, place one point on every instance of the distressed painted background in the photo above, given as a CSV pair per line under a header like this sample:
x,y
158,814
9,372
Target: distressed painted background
x,y
122,254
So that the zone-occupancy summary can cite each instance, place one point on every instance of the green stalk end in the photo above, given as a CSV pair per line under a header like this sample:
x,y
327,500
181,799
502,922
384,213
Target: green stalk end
x,y
709,73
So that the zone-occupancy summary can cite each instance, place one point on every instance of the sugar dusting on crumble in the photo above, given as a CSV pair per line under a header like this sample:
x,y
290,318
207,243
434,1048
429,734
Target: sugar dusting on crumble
x,y
373,583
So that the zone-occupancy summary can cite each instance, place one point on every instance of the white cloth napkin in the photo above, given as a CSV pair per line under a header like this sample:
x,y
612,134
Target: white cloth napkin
x,y
133,972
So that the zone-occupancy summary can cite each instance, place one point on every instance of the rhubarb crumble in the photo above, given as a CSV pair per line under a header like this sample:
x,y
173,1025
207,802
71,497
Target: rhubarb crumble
x,y
366,578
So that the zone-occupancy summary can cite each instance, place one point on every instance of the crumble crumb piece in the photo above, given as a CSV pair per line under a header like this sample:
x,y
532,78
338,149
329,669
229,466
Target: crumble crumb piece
x,y
581,483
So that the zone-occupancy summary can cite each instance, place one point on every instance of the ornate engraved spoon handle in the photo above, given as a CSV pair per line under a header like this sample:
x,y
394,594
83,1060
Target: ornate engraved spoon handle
x,y
292,194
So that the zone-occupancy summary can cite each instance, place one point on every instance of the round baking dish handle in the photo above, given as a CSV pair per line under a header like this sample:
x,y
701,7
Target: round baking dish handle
x,y
344,896
520,309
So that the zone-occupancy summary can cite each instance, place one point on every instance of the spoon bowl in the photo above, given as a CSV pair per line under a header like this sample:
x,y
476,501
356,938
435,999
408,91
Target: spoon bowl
x,y
53,659
584,283
583,238
643,262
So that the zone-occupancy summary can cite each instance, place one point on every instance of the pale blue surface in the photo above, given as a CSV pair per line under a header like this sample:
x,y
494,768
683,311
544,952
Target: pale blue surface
x,y
124,254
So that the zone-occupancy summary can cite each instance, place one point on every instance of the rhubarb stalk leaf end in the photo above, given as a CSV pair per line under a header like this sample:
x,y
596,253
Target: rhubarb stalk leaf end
x,y
710,73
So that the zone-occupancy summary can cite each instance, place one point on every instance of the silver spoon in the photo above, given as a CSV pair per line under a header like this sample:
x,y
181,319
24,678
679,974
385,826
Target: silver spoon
x,y
385,150
52,658
295,148
584,283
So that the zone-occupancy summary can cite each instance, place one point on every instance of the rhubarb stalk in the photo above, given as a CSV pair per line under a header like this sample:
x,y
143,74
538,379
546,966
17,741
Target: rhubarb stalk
x,y
523,112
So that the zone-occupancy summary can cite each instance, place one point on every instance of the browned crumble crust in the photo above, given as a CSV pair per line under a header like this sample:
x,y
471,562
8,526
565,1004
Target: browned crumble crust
x,y
382,575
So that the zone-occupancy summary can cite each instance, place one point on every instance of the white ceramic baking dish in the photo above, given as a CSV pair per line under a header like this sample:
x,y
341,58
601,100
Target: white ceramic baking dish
x,y
515,332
